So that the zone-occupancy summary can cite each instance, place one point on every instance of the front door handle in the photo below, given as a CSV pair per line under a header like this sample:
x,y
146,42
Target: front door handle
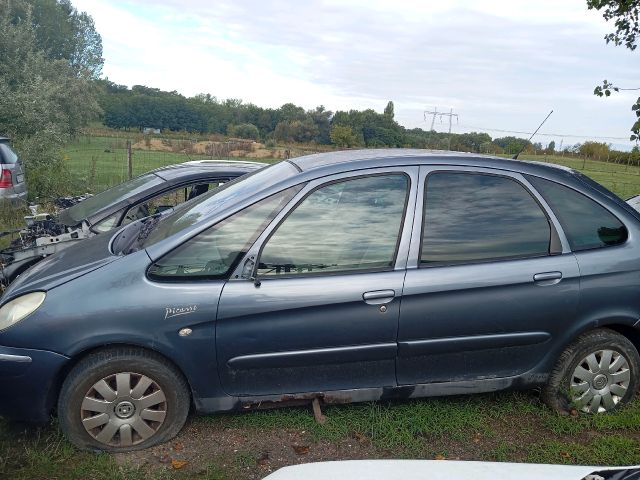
x,y
378,297
547,278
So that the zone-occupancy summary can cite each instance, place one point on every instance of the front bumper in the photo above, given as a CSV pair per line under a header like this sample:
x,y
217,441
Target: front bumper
x,y
28,383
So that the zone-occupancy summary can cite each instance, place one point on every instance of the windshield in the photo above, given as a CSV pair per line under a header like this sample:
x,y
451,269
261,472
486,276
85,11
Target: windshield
x,y
93,205
192,212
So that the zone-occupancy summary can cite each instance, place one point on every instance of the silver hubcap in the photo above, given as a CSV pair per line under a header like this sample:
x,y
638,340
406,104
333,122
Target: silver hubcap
x,y
600,381
123,409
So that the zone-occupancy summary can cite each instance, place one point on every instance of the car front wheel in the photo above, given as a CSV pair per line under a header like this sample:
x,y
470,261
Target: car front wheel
x,y
597,373
123,399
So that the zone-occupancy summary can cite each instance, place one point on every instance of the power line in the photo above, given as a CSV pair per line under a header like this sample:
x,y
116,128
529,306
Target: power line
x,y
435,113
450,115
567,135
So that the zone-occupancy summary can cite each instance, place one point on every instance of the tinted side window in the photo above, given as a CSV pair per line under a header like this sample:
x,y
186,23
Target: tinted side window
x,y
344,226
472,217
215,252
586,223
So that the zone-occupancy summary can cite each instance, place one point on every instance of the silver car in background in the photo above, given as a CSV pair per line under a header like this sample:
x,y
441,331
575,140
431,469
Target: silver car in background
x,y
12,184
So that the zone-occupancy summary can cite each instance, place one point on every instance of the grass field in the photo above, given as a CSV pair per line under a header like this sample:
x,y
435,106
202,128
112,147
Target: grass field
x,y
100,162
624,180
501,427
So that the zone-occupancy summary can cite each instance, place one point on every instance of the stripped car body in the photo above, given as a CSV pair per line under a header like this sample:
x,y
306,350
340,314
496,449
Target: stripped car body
x,y
344,276
81,217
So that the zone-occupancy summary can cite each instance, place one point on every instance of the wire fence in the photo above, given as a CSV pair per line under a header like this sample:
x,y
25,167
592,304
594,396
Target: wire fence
x,y
101,162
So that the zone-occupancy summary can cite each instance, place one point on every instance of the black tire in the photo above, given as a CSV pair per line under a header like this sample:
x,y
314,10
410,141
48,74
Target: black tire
x,y
135,363
557,392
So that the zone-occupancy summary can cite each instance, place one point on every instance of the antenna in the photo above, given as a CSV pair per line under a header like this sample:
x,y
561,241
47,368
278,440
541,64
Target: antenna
x,y
515,157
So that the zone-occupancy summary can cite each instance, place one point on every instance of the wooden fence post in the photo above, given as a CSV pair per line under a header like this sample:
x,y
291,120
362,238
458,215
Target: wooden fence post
x,y
129,160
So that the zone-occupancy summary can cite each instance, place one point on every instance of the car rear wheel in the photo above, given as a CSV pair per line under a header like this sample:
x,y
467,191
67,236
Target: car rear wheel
x,y
597,373
123,399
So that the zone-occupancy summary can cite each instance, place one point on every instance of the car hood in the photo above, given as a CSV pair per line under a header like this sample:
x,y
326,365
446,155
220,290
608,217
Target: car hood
x,y
64,266
445,470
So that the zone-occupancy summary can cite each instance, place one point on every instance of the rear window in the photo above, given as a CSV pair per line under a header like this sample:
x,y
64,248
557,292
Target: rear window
x,y
7,155
586,223
112,196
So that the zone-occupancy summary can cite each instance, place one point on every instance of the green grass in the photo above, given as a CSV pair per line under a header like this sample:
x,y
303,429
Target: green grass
x,y
11,218
500,427
421,428
397,425
622,179
600,451
101,161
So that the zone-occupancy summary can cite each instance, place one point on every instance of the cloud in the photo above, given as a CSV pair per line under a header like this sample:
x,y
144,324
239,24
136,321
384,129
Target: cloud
x,y
498,64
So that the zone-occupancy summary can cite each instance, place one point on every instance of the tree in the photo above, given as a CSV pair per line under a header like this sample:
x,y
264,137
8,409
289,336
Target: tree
x,y
343,136
513,145
551,147
61,32
597,150
43,102
388,110
626,16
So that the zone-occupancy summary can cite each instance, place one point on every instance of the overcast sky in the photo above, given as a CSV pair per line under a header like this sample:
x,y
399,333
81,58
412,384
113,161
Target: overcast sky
x,y
499,65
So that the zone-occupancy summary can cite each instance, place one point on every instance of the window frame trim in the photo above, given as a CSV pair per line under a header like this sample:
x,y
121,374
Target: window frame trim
x,y
557,243
406,171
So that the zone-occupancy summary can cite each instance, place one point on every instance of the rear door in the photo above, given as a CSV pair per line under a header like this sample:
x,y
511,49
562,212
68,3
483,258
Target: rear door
x,y
490,281
323,313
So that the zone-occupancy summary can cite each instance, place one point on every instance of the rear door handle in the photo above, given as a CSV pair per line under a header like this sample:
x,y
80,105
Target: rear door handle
x,y
378,297
547,278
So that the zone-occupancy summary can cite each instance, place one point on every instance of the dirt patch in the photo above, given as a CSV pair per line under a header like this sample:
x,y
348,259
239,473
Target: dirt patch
x,y
154,144
245,453
236,148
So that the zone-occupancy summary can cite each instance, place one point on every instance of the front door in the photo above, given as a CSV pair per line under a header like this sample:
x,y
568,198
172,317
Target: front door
x,y
492,283
322,313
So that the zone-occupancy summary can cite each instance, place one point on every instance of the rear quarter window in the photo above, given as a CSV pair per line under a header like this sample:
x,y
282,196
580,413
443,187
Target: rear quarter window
x,y
585,222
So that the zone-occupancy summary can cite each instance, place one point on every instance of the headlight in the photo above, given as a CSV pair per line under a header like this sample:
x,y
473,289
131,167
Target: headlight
x,y
20,308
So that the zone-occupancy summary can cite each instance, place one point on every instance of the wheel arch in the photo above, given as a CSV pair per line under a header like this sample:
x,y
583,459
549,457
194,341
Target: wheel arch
x,y
630,332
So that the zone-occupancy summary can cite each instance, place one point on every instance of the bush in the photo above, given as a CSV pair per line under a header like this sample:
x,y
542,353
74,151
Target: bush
x,y
244,130
594,150
343,136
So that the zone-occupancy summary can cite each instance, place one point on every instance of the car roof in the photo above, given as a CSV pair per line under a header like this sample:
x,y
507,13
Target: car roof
x,y
175,175
5,139
402,156
194,168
